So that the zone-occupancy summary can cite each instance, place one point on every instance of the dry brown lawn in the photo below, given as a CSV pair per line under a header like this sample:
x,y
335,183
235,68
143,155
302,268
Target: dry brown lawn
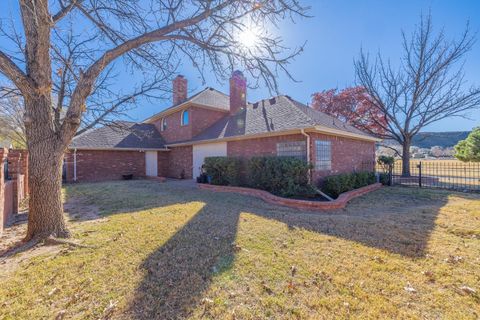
x,y
171,251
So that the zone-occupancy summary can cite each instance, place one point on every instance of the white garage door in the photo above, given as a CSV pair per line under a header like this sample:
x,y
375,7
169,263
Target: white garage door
x,y
202,151
151,163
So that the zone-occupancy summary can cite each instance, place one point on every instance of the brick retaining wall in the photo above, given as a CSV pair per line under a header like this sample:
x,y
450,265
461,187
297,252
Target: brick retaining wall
x,y
338,203
8,204
12,191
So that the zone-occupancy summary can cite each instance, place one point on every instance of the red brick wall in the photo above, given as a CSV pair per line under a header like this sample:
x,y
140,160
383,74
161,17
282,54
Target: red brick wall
x,y
18,165
175,131
8,204
101,165
162,163
260,146
3,156
347,154
180,159
204,118
199,119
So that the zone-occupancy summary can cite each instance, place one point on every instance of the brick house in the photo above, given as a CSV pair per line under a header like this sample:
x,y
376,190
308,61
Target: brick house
x,y
174,142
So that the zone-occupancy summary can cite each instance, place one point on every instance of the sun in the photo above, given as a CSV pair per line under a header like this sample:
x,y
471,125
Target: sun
x,y
249,37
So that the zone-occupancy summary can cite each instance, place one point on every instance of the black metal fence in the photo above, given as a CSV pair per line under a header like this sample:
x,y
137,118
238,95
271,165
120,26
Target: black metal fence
x,y
446,174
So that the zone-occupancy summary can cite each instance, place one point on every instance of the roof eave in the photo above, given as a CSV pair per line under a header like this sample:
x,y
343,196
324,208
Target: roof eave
x,y
117,149
235,138
347,134
319,129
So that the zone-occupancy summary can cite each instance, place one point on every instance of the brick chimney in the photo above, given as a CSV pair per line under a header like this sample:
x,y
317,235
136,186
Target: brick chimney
x,y
238,92
179,89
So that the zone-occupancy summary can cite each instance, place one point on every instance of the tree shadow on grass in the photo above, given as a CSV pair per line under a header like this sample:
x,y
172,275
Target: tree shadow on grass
x,y
178,272
399,224
181,270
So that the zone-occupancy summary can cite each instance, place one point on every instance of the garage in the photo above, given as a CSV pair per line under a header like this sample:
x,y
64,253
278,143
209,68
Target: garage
x,y
202,151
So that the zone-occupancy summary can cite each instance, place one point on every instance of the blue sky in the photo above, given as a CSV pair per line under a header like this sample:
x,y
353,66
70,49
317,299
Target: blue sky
x,y
334,36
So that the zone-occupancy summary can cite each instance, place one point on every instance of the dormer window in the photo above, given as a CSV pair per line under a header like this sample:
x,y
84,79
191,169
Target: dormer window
x,y
163,126
185,118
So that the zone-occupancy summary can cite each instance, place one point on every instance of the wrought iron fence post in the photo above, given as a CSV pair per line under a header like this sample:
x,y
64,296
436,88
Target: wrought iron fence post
x,y
420,174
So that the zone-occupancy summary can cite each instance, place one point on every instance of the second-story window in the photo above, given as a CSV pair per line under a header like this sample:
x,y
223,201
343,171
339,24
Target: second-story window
x,y
185,118
164,124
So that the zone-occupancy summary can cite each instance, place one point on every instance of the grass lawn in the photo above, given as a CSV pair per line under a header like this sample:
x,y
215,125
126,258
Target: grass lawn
x,y
163,251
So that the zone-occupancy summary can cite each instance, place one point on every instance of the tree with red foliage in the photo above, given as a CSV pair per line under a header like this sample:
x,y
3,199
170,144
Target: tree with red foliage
x,y
354,106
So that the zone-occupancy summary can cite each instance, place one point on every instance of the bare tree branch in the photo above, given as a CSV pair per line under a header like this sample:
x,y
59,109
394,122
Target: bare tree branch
x,y
427,86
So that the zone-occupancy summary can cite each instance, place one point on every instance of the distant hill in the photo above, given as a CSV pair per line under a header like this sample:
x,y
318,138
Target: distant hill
x,y
442,139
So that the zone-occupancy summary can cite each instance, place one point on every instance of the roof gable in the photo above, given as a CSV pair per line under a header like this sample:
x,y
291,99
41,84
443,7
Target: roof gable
x,y
208,97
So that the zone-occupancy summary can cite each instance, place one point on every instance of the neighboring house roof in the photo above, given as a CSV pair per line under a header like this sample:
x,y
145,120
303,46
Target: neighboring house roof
x,y
276,114
208,97
120,135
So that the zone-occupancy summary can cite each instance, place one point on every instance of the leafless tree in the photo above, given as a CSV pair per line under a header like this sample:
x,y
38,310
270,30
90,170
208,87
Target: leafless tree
x,y
11,124
141,35
427,86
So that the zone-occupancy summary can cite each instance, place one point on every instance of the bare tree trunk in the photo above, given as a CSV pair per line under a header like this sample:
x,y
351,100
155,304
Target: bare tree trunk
x,y
406,158
45,215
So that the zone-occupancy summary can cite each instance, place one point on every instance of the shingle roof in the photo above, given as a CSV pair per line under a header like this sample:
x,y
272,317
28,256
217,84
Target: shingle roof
x,y
279,113
120,135
207,97
213,98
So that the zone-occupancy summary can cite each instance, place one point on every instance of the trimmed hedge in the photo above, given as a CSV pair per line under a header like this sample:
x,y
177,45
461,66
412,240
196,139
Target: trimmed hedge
x,y
338,184
223,171
283,176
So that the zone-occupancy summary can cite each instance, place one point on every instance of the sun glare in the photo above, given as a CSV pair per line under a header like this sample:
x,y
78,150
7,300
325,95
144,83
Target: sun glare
x,y
249,37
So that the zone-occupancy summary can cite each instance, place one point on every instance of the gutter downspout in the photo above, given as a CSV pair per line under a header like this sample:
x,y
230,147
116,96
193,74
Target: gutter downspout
x,y
302,131
75,165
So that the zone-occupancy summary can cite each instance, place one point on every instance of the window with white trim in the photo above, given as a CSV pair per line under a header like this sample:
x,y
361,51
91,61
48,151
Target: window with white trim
x,y
185,117
297,149
323,156
163,125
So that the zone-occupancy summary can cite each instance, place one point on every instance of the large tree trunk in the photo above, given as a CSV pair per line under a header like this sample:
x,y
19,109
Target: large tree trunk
x,y
45,215
406,158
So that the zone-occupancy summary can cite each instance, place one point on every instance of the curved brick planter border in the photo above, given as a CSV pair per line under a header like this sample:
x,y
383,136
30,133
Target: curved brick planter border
x,y
338,203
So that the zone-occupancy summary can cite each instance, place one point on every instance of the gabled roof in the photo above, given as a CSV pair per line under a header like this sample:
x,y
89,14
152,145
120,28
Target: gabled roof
x,y
120,135
209,97
276,114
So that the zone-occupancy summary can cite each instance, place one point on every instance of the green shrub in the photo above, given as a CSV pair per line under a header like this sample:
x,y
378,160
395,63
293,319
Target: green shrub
x,y
284,176
386,160
363,178
384,178
338,184
223,170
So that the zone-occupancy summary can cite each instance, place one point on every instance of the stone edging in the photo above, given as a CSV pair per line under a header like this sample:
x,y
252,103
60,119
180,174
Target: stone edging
x,y
338,203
